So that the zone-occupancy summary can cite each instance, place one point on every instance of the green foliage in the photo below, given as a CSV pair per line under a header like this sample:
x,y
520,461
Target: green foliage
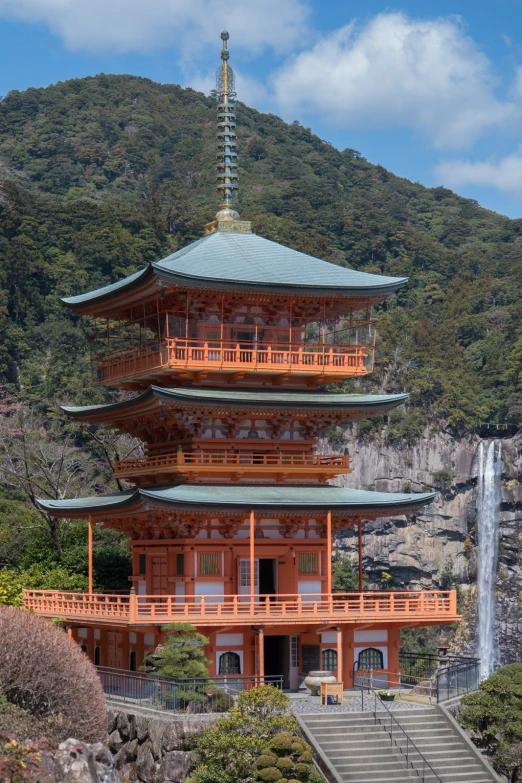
x,y
256,742
37,577
495,713
345,575
182,655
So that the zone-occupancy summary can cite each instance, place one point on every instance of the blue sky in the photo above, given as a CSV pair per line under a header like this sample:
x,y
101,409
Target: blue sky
x,y
430,90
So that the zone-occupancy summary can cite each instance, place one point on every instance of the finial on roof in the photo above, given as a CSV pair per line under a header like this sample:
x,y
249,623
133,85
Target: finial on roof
x,y
227,219
227,170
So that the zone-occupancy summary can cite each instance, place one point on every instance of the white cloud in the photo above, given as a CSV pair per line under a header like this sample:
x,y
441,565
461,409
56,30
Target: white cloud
x,y
144,25
504,174
398,72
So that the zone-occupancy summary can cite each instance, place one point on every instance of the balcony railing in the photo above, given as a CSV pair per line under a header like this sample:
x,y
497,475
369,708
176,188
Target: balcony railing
x,y
200,355
218,461
428,606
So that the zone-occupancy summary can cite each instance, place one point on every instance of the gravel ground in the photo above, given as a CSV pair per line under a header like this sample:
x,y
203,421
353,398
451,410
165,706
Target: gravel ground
x,y
310,705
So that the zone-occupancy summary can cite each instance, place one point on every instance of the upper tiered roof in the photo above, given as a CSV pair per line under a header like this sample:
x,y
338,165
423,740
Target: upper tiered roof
x,y
236,261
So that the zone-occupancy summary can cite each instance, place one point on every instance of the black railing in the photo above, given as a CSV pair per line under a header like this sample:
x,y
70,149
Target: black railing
x,y
399,737
457,678
196,695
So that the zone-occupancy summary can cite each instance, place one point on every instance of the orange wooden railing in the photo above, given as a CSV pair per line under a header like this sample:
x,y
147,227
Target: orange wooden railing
x,y
180,353
375,606
225,458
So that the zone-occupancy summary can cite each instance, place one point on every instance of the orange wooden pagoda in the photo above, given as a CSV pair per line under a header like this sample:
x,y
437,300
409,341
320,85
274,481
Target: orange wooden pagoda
x,y
231,516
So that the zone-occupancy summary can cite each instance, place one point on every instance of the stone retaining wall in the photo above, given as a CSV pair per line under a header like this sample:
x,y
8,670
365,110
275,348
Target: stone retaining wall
x,y
154,749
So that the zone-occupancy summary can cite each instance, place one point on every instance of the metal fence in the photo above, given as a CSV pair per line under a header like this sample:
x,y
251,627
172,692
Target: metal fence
x,y
457,679
190,695
453,675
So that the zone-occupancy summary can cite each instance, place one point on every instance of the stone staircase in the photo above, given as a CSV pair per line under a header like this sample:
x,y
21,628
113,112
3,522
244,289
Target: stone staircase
x,y
359,750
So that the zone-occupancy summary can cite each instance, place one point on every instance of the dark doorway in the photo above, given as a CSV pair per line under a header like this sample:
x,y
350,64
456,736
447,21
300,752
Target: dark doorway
x,y
274,656
267,578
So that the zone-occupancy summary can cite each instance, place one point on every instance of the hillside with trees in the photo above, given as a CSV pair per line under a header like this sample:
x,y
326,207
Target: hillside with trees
x,y
99,176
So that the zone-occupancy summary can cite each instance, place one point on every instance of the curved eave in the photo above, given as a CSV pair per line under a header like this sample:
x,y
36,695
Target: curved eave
x,y
377,292
122,293
209,497
348,403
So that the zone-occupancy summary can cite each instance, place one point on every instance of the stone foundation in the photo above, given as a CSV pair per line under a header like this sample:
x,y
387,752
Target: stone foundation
x,y
154,749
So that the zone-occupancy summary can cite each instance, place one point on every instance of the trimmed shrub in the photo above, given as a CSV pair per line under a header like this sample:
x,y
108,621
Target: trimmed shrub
x,y
270,774
306,757
45,672
282,742
266,760
302,770
284,763
299,745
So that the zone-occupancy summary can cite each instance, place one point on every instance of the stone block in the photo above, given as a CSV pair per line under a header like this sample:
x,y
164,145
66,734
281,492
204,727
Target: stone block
x,y
127,754
156,730
174,737
142,728
77,762
123,725
145,764
115,742
175,767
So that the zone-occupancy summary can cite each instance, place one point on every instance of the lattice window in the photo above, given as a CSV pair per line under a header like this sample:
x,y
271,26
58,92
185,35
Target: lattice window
x,y
209,563
244,573
294,652
230,663
329,660
307,563
371,658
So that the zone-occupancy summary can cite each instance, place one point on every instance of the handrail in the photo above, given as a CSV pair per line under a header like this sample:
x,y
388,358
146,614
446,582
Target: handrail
x,y
278,608
220,458
409,741
218,355
395,679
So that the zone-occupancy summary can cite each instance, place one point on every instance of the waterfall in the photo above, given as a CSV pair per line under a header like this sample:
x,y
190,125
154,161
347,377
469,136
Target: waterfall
x,y
489,473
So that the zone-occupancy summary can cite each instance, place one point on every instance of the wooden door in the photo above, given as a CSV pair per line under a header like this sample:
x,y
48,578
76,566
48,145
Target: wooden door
x,y
114,649
159,575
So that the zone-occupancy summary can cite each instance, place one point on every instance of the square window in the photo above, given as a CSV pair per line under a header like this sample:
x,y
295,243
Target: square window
x,y
209,563
307,563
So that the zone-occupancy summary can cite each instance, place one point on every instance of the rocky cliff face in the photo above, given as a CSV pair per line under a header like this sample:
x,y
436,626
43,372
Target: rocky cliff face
x,y
439,545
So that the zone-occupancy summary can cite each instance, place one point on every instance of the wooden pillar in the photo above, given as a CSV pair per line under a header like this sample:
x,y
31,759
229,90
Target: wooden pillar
x,y
329,553
90,553
359,524
339,654
252,561
261,650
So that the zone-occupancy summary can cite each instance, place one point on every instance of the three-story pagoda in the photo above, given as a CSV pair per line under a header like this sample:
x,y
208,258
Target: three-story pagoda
x,y
231,518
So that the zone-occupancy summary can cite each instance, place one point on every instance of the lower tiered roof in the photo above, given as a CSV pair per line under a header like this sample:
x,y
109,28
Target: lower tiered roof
x,y
197,497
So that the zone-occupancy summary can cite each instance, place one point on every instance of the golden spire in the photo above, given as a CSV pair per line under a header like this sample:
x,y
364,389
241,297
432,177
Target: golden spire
x,y
227,169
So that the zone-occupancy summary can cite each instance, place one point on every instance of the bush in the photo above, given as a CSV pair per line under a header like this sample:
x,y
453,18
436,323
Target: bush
x,y
222,702
495,712
257,742
45,672
266,760
270,774
19,761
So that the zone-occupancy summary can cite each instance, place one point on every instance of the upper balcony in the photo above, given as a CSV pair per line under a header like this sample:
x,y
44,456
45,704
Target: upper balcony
x,y
225,361
427,607
215,465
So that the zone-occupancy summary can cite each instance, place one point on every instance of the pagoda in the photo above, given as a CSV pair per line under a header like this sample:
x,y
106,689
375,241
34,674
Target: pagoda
x,y
231,516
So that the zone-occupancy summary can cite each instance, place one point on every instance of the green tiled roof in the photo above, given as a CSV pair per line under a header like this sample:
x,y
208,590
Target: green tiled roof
x,y
229,260
348,402
243,498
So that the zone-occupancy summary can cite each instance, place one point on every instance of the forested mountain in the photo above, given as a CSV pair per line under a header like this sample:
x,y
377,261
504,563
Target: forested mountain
x,y
102,175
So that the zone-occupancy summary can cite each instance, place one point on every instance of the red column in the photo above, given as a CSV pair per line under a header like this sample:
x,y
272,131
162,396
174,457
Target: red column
x,y
90,553
339,654
329,553
252,561
360,558
261,650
